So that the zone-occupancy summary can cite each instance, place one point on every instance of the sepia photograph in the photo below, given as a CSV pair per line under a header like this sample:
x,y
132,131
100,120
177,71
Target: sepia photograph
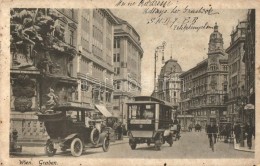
x,y
142,79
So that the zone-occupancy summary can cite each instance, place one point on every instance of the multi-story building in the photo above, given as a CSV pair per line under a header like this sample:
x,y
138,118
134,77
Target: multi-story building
x,y
205,86
127,56
94,63
42,49
169,83
249,60
236,76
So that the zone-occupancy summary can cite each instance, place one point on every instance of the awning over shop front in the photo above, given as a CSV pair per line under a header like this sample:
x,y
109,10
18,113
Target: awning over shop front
x,y
249,107
103,110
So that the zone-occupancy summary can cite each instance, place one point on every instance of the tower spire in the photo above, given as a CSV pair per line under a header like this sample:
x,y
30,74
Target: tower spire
x,y
216,27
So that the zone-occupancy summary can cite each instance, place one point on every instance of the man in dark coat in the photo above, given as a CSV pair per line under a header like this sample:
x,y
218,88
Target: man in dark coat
x,y
212,132
237,132
120,131
249,130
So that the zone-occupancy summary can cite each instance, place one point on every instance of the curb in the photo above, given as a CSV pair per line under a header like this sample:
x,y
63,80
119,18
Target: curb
x,y
236,147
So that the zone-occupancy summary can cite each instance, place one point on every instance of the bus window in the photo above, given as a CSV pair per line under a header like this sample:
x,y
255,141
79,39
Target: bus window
x,y
141,111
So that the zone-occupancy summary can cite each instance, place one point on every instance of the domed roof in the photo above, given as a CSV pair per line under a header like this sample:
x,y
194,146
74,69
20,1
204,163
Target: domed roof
x,y
215,35
171,66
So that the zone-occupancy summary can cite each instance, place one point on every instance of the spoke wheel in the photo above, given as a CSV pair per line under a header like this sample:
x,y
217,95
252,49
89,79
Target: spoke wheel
x,y
76,147
49,149
105,145
94,136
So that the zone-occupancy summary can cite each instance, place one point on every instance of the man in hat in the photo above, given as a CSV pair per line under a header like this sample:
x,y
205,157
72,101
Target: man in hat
x,y
237,131
249,130
212,131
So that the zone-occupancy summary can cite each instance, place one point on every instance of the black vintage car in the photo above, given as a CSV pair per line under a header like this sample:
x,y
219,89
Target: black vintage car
x,y
149,120
66,128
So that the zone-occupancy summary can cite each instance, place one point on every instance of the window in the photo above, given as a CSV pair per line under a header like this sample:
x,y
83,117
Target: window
x,y
71,36
117,70
118,85
118,57
116,43
114,57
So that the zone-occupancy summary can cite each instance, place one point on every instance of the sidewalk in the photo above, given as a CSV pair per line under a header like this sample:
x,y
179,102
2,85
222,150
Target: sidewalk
x,y
245,148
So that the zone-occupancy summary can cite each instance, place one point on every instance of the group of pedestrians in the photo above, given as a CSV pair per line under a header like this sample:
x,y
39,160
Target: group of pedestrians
x,y
248,133
118,127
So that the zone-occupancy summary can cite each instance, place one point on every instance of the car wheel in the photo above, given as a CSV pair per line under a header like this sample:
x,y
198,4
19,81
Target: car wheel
x,y
76,147
49,149
105,145
94,136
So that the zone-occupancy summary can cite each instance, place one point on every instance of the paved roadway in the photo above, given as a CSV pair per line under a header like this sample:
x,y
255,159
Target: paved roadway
x,y
191,145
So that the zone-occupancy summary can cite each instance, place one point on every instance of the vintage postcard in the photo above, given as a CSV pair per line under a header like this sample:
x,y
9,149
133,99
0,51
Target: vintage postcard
x,y
129,82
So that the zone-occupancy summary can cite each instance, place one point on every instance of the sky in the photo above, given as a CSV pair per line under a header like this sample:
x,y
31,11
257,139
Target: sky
x,y
187,47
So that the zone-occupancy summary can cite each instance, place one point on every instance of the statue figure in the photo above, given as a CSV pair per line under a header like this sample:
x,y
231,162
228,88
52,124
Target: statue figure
x,y
53,100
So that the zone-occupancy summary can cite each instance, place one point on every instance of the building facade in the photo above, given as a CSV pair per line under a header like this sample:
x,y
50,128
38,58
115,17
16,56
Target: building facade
x,y
205,86
236,77
127,56
249,60
94,63
169,83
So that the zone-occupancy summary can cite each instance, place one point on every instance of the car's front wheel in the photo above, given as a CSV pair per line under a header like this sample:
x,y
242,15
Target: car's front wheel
x,y
76,147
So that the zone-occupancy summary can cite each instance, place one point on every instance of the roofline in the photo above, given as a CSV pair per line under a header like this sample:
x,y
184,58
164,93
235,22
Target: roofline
x,y
112,16
197,65
121,21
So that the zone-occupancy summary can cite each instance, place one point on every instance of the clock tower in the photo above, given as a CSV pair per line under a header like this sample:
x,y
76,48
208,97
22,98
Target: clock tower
x,y
215,50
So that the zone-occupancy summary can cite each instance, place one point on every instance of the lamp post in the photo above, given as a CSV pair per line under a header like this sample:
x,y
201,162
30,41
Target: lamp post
x,y
159,48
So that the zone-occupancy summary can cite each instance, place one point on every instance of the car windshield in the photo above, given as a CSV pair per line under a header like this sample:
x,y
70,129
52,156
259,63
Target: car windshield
x,y
141,111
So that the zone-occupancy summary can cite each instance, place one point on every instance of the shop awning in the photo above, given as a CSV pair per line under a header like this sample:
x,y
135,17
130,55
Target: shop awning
x,y
249,107
103,110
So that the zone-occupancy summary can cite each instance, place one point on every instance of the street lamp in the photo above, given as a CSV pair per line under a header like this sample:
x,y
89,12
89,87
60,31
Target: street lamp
x,y
158,49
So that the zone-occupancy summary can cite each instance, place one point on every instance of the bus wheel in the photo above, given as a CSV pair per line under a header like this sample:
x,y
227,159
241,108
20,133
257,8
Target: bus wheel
x,y
148,143
158,142
133,146
157,147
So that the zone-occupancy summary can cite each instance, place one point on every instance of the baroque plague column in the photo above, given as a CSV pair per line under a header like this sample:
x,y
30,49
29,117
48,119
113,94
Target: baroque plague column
x,y
41,69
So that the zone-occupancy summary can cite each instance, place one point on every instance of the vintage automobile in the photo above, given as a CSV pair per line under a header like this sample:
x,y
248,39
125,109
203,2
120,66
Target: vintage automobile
x,y
67,129
149,120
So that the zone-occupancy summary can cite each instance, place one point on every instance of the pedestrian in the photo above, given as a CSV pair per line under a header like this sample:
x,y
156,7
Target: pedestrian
x,y
115,125
237,132
190,127
120,131
228,132
212,132
249,131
